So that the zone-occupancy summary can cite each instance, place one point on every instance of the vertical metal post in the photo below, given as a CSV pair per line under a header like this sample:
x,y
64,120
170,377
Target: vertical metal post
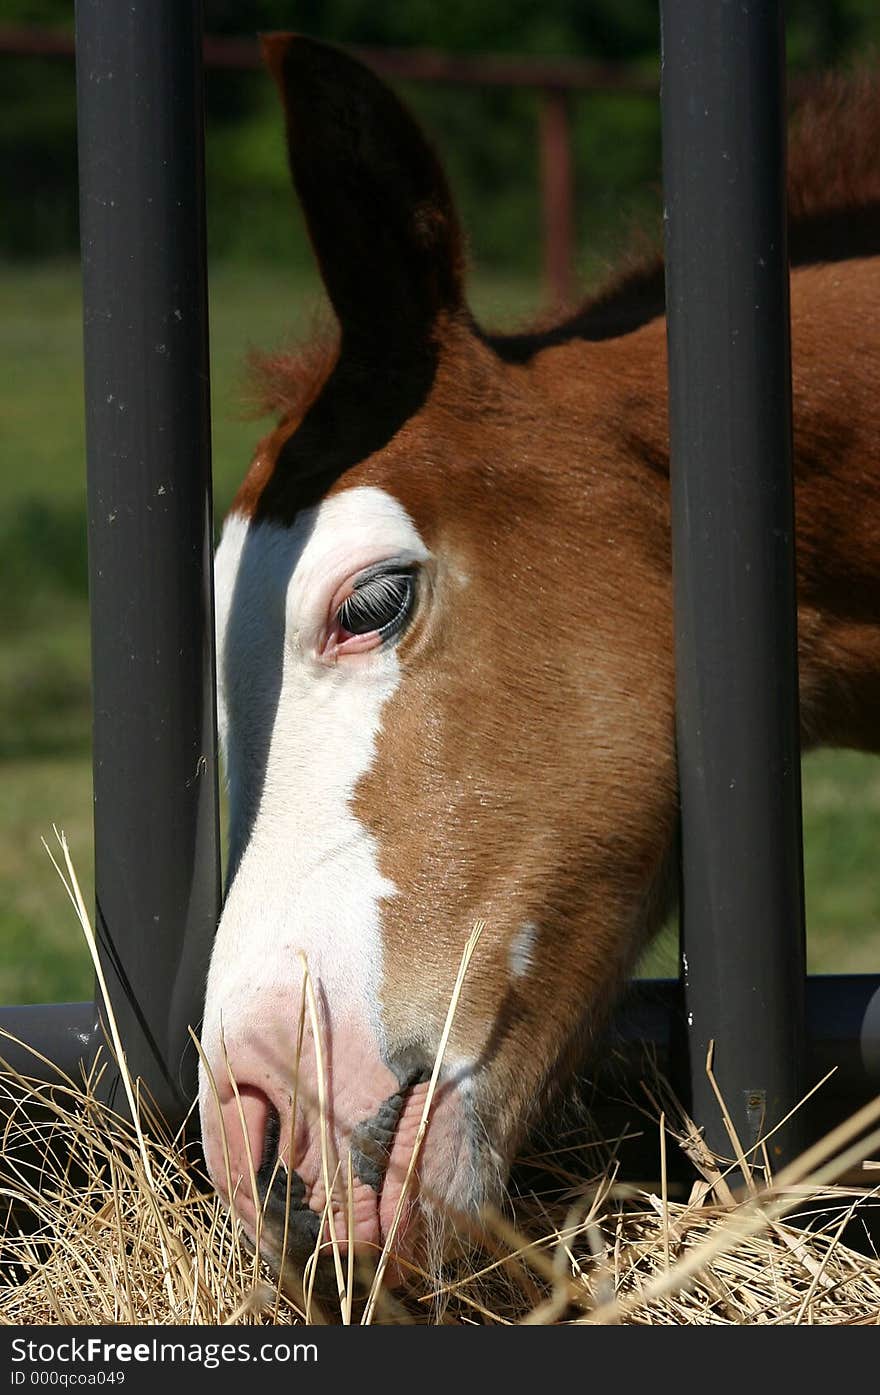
x,y
557,194
141,151
733,548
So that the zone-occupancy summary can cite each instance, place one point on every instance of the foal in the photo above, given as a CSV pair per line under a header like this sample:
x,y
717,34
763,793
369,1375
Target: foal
x,y
446,666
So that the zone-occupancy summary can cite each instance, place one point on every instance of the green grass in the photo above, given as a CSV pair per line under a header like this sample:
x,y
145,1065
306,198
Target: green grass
x,y
43,956
44,664
841,802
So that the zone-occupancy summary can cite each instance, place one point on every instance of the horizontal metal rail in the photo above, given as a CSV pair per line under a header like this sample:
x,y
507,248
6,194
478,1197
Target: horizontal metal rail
x,y
843,1035
45,1040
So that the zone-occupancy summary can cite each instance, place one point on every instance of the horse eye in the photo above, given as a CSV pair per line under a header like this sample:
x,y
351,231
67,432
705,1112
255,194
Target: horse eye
x,y
380,602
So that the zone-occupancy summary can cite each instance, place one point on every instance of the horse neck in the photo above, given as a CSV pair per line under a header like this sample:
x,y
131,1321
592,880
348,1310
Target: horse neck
x,y
836,408
836,369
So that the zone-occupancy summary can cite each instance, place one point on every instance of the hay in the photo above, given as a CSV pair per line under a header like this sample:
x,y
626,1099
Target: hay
x,y
100,1233
112,1221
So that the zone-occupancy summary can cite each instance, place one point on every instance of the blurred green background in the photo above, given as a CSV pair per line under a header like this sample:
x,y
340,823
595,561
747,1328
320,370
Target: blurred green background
x,y
263,290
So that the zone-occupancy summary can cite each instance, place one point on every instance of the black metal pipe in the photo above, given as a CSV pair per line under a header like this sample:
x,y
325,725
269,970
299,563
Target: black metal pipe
x,y
723,113
843,1035
141,152
40,1040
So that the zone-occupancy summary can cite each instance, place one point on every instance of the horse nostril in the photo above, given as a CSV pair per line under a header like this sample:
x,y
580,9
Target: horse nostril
x,y
271,1140
249,1125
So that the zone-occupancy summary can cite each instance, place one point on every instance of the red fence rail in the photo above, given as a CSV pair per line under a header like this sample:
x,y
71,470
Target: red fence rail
x,y
554,80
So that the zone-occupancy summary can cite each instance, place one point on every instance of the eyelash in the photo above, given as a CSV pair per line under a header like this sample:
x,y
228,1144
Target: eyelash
x,y
365,611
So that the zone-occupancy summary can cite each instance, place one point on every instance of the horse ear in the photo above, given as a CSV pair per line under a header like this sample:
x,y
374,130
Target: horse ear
x,y
376,201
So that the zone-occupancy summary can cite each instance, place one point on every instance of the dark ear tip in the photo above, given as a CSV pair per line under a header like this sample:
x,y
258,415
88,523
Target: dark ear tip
x,y
282,52
274,48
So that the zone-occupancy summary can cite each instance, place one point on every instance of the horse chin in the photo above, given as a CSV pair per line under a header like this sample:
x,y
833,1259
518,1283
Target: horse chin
x,y
414,1257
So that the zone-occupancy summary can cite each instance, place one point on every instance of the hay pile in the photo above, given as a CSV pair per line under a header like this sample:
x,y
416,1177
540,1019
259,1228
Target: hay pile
x,y
107,1221
123,1228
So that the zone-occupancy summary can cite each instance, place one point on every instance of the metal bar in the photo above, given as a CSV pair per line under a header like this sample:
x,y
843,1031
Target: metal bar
x,y
733,558
843,1034
557,194
157,865
842,1017
60,1033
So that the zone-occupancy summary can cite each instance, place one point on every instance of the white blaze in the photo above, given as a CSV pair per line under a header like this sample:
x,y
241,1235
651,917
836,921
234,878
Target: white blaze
x,y
298,734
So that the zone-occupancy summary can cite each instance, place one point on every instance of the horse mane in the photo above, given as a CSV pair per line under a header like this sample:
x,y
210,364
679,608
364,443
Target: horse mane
x,y
285,382
834,214
834,170
833,210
